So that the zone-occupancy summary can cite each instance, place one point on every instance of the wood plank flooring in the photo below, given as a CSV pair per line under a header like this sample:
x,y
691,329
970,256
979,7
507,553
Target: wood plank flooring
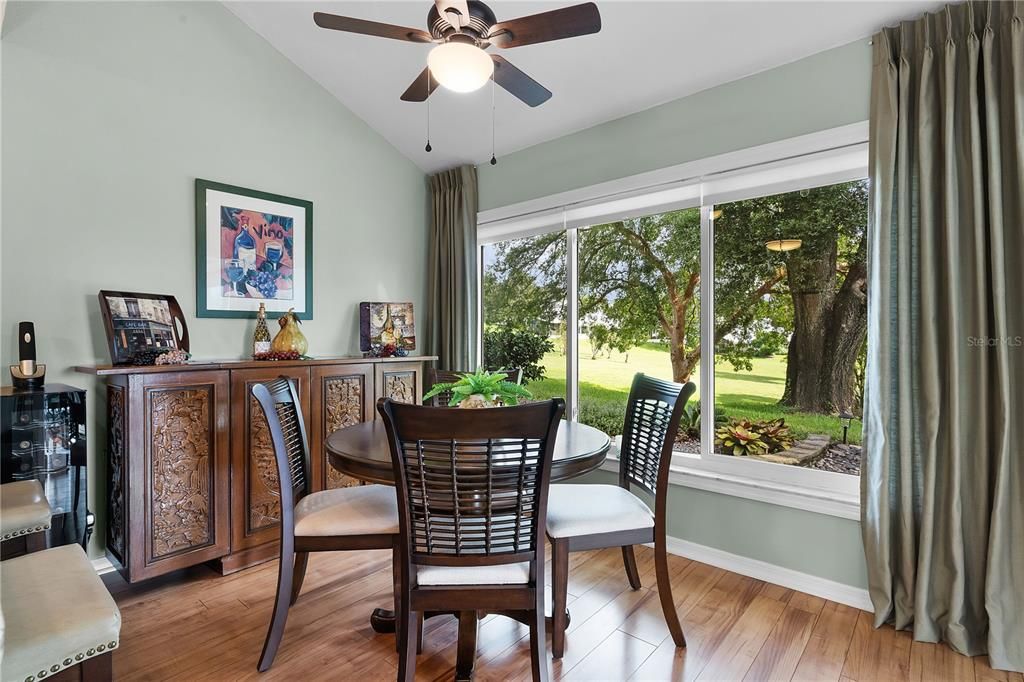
x,y
196,625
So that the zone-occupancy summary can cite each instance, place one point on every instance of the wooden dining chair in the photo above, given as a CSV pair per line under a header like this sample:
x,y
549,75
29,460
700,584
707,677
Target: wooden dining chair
x,y
444,376
586,516
361,517
472,492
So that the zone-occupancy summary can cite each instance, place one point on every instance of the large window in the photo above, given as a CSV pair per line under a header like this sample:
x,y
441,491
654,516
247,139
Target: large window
x,y
524,310
639,311
617,286
790,325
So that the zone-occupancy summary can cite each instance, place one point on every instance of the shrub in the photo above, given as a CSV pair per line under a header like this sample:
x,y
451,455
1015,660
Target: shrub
x,y
689,423
507,348
606,415
742,437
767,343
775,434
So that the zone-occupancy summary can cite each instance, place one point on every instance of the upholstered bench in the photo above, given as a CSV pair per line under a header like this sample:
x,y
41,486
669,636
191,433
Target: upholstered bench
x,y
57,614
24,511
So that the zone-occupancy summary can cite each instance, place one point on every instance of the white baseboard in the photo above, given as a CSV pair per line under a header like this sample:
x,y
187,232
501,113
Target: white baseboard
x,y
102,565
856,597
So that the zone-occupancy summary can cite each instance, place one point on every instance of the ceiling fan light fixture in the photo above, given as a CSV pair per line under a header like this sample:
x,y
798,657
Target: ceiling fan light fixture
x,y
782,245
460,67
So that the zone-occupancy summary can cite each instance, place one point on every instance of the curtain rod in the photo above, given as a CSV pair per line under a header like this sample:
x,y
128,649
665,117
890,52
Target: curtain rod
x,y
667,183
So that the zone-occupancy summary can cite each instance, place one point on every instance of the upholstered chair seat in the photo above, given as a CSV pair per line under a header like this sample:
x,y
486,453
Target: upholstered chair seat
x,y
23,509
501,574
57,613
591,509
358,510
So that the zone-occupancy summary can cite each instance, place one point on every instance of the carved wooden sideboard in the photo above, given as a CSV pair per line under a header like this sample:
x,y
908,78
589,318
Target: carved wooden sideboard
x,y
191,474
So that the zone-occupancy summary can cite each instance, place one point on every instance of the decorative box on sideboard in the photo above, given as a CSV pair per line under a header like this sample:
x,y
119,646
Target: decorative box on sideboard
x,y
190,473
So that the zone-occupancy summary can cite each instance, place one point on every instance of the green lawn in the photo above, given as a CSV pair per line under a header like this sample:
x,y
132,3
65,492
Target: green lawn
x,y
604,388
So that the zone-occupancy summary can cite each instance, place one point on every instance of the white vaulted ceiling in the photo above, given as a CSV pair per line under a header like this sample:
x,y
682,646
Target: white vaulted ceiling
x,y
647,53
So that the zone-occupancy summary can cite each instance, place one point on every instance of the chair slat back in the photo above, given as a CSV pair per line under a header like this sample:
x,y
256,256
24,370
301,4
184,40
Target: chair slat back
x,y
444,376
280,404
472,484
652,421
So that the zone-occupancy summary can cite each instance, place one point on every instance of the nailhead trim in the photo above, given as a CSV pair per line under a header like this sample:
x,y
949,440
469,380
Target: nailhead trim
x,y
25,531
78,658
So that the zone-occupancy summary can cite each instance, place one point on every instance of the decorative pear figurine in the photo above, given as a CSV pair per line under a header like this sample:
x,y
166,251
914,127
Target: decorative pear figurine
x,y
290,337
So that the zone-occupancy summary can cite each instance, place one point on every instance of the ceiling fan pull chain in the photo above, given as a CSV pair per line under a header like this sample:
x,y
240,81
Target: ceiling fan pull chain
x,y
428,147
494,160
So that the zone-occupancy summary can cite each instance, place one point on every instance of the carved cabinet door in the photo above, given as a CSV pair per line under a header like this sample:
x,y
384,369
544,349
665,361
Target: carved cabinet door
x,y
255,489
182,442
400,381
341,395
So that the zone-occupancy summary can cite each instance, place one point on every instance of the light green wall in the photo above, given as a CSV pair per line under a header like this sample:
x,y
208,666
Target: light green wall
x,y
825,546
111,110
823,91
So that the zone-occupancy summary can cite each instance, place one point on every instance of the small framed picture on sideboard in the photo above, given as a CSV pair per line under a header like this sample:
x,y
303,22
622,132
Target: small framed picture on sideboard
x,y
139,324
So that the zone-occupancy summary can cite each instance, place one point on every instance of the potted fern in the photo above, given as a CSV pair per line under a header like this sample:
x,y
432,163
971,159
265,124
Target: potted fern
x,y
481,389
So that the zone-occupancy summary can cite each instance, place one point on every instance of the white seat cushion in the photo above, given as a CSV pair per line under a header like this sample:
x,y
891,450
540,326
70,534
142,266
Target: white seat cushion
x,y
359,510
575,510
502,574
57,613
23,509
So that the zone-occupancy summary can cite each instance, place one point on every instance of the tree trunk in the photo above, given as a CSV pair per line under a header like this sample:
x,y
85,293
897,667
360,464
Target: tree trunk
x,y
848,327
828,329
682,365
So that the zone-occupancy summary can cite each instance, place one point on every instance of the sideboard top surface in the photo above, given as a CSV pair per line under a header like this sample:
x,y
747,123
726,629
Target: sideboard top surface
x,y
197,366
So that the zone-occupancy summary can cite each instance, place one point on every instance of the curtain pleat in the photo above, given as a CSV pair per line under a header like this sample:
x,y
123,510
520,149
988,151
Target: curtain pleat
x,y
452,269
943,482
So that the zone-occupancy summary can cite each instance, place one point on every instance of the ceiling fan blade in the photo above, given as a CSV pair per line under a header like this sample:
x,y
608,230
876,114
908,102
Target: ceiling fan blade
x,y
568,22
370,28
518,83
455,11
421,88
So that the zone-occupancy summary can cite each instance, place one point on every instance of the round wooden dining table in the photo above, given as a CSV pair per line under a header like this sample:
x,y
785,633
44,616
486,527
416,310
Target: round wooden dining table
x,y
362,451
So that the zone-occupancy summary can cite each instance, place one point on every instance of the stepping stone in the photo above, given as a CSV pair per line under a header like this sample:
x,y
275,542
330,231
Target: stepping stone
x,y
802,451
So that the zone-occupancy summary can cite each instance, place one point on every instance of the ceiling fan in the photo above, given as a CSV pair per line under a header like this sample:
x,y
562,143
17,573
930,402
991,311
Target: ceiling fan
x,y
462,30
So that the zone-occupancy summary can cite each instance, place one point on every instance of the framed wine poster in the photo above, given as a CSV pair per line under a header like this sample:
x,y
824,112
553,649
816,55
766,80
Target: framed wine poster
x,y
252,247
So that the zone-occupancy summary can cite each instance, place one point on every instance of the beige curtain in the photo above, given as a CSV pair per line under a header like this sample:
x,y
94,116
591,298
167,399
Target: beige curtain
x,y
452,269
943,482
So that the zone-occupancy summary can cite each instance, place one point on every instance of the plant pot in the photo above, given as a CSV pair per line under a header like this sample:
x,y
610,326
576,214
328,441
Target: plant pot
x,y
478,401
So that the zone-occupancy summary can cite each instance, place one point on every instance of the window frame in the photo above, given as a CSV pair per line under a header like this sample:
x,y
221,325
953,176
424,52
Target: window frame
x,y
842,152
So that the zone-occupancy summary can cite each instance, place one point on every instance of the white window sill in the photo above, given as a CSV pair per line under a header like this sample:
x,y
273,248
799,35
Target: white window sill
x,y
841,499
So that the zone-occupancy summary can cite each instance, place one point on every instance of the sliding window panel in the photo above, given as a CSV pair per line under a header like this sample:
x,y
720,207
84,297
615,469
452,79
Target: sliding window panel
x,y
639,312
525,310
790,331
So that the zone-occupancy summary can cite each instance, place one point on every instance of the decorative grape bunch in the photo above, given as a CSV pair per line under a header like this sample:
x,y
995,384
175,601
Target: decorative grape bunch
x,y
266,284
278,355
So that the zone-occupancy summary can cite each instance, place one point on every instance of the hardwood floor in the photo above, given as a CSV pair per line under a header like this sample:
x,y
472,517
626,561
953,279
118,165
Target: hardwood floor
x,y
196,625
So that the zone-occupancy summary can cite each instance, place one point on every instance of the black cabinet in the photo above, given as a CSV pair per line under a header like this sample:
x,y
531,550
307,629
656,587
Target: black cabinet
x,y
43,437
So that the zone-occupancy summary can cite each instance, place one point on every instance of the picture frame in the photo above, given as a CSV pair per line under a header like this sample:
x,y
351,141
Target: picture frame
x,y
382,323
252,247
137,322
